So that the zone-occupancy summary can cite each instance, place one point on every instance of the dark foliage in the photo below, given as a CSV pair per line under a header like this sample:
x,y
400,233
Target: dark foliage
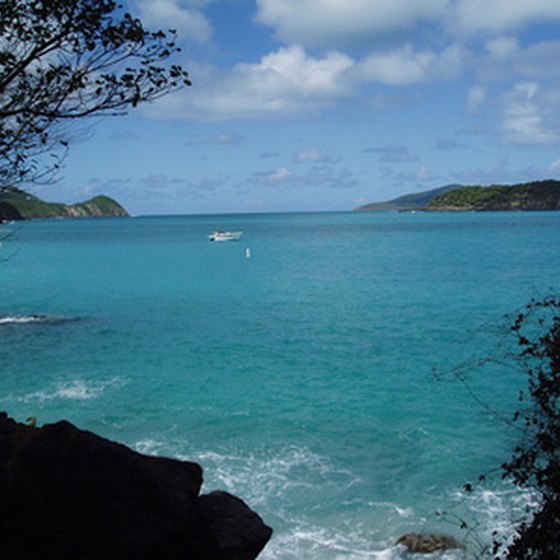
x,y
536,195
536,460
64,60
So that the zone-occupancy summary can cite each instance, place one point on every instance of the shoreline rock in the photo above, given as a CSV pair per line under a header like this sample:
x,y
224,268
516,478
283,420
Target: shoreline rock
x,y
427,543
67,493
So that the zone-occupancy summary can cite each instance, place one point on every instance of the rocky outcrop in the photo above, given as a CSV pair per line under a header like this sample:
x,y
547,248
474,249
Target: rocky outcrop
x,y
67,493
427,543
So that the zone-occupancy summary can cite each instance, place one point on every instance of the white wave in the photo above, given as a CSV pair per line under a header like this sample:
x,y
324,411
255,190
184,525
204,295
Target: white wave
x,y
22,319
77,389
150,447
30,319
305,497
496,513
279,476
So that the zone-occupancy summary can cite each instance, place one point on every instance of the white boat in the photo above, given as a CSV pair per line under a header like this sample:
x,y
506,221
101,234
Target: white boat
x,y
219,235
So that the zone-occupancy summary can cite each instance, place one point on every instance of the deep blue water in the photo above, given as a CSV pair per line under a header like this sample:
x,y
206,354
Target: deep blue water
x,y
300,378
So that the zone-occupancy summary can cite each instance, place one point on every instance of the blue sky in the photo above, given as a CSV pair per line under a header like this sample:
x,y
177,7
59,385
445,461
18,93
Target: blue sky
x,y
304,105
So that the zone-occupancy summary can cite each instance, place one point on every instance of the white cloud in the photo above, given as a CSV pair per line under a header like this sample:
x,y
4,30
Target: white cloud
x,y
525,118
275,177
475,98
405,65
287,82
183,16
292,70
342,22
312,155
538,61
502,48
497,16
290,82
507,60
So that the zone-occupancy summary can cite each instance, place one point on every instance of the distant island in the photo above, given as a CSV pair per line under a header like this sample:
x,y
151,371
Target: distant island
x,y
16,204
536,195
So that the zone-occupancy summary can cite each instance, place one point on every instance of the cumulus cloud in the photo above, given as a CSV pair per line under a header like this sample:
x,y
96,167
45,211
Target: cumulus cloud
x,y
507,59
292,70
184,16
340,23
336,23
498,16
525,117
290,82
502,48
286,82
406,65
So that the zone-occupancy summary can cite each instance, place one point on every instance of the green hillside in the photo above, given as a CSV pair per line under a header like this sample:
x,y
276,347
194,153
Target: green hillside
x,y
30,206
536,195
413,201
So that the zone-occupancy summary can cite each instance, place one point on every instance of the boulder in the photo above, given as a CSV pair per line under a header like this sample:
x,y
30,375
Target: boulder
x,y
428,543
67,493
239,532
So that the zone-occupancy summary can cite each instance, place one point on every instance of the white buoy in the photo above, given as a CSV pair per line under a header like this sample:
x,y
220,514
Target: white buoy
x,y
247,253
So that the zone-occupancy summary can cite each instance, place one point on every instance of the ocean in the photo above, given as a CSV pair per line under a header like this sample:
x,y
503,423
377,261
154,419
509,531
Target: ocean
x,y
312,375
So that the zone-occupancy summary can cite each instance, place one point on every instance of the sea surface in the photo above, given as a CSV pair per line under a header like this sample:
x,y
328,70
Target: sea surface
x,y
312,375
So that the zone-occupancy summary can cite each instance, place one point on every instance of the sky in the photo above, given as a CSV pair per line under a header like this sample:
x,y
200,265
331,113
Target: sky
x,y
325,105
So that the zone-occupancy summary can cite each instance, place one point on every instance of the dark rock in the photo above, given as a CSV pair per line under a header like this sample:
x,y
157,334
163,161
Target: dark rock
x,y
240,532
428,543
66,493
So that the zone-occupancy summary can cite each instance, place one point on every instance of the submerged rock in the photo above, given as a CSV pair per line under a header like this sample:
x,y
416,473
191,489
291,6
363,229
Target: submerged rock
x,y
428,543
67,493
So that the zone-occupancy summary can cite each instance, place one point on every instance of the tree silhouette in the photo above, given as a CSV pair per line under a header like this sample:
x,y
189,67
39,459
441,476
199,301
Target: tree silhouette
x,y
64,60
530,346
536,460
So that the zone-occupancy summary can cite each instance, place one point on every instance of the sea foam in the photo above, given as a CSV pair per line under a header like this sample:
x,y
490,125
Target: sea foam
x,y
77,389
32,319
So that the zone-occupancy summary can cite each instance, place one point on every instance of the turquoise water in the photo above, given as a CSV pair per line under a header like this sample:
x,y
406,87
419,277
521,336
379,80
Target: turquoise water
x,y
300,378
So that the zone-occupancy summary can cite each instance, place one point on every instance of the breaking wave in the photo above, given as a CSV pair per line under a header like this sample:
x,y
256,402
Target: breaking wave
x,y
33,319
77,389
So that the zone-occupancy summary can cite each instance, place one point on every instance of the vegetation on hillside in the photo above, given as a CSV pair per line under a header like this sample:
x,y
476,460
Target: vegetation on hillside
x,y
29,206
536,195
407,202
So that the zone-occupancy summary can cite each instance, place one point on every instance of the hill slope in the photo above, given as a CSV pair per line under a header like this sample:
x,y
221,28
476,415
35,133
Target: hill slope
x,y
413,201
536,195
30,206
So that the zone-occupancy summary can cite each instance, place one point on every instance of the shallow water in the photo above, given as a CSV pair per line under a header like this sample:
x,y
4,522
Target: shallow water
x,y
301,378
